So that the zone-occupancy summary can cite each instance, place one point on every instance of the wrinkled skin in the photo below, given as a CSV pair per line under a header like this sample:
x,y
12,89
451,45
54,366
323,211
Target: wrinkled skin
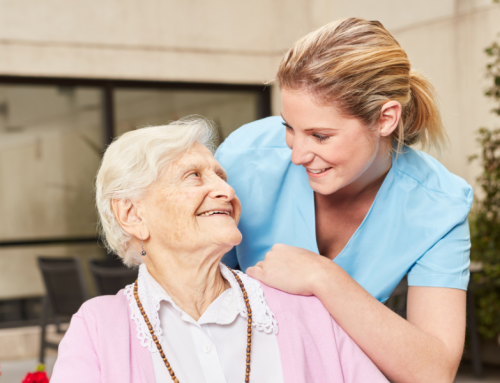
x,y
193,185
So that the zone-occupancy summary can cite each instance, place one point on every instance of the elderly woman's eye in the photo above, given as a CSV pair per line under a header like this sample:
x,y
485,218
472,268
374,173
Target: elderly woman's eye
x,y
195,174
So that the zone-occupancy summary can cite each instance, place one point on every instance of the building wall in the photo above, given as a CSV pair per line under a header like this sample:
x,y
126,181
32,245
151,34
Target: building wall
x,y
213,41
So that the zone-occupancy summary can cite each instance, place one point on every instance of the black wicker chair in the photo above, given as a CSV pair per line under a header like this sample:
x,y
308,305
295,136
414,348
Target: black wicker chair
x,y
66,290
474,342
397,300
111,275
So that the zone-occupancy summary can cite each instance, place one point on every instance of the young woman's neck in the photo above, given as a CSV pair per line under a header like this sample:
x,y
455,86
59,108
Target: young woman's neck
x,y
193,280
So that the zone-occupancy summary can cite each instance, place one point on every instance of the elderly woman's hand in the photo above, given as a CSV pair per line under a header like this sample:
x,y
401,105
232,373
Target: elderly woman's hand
x,y
291,269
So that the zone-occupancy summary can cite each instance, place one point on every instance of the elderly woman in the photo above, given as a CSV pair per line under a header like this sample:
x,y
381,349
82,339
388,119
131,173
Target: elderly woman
x,y
164,204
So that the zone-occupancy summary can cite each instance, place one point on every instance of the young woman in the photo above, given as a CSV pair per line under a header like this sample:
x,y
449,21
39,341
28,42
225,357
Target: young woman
x,y
335,179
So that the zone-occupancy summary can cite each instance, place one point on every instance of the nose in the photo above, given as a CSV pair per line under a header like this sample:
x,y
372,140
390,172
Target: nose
x,y
301,154
220,189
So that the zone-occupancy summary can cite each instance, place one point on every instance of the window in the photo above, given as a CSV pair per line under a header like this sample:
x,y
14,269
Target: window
x,y
135,108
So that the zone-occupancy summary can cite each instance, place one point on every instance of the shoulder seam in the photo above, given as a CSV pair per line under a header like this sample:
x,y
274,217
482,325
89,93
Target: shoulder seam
x,y
464,200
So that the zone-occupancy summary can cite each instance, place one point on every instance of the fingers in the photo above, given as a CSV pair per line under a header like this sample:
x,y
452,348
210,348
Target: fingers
x,y
256,271
251,271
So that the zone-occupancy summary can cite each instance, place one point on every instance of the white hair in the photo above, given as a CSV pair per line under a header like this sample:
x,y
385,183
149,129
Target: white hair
x,y
132,163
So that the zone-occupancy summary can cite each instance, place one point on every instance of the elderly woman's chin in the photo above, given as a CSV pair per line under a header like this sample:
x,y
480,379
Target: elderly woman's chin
x,y
222,230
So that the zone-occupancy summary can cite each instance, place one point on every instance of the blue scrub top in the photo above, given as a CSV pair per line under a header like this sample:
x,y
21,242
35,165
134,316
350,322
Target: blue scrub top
x,y
417,223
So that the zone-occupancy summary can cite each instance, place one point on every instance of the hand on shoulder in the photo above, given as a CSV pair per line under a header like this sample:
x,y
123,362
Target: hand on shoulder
x,y
291,269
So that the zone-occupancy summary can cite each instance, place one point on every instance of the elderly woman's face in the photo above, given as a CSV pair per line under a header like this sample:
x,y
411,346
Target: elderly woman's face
x,y
192,206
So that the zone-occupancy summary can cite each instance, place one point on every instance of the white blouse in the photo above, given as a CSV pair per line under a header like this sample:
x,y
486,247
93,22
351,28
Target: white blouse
x,y
212,349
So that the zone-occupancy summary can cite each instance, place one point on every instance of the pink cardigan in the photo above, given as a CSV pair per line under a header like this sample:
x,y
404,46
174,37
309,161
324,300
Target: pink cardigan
x,y
101,345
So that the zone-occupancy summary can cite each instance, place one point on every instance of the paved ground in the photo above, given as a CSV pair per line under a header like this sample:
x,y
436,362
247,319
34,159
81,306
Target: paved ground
x,y
14,371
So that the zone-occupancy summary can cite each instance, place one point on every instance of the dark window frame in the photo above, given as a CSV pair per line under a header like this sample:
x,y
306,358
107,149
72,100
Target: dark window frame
x,y
108,86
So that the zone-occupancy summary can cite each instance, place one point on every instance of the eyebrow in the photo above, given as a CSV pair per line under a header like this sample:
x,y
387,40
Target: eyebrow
x,y
314,129
197,166
221,172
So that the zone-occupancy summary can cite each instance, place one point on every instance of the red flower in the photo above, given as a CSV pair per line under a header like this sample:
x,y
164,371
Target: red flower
x,y
40,376
36,377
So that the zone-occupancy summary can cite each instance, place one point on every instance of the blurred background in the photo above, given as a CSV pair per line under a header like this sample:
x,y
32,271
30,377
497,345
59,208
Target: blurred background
x,y
74,74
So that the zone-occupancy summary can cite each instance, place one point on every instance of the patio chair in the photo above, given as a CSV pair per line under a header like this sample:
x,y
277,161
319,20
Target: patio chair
x,y
66,290
397,300
111,275
475,344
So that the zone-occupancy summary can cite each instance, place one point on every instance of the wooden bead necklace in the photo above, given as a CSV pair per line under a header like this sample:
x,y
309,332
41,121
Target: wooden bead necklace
x,y
160,349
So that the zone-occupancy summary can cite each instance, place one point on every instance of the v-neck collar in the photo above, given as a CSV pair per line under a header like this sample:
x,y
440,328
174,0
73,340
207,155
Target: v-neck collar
x,y
311,211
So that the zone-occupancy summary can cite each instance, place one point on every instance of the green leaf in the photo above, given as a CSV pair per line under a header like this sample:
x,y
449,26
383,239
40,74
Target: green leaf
x,y
484,218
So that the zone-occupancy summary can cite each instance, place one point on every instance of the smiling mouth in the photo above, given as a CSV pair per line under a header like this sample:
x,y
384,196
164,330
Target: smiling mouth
x,y
318,171
208,213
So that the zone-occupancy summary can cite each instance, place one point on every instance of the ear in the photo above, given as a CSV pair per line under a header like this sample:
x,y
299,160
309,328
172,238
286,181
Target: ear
x,y
390,115
130,216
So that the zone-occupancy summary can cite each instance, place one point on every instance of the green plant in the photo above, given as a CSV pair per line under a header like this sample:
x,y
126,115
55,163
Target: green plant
x,y
485,216
493,72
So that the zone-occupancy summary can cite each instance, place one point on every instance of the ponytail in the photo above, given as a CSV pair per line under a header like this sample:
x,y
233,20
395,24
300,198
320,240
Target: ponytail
x,y
421,120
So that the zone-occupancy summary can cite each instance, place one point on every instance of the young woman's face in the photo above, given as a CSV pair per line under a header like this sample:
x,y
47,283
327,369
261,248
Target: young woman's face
x,y
335,150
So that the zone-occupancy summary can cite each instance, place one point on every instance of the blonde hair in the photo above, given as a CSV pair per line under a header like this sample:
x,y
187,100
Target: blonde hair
x,y
359,66
132,163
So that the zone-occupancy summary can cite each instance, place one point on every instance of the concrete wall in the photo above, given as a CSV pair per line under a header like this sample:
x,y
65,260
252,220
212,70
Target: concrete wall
x,y
214,41
24,342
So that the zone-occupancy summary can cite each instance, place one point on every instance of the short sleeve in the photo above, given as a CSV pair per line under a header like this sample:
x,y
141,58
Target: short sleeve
x,y
446,264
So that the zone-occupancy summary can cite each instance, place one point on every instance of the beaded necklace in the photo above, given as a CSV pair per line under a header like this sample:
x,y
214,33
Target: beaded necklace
x,y
160,349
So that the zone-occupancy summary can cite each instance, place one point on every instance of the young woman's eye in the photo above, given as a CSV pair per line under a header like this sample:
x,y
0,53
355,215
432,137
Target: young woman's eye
x,y
288,127
320,137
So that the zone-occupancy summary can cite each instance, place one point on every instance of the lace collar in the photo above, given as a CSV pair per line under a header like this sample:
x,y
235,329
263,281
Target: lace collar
x,y
263,318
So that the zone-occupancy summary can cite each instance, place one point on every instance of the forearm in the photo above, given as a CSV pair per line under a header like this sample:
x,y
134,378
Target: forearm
x,y
402,351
